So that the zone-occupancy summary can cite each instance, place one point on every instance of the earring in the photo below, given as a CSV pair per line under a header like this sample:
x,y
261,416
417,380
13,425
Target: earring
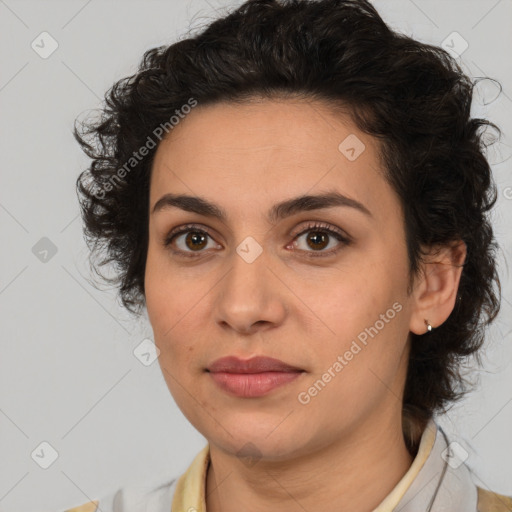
x,y
429,327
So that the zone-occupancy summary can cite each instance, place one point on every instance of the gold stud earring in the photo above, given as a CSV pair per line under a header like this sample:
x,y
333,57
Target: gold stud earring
x,y
429,327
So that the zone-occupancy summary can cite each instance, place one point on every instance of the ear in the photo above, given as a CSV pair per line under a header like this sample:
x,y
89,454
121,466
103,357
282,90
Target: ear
x,y
435,287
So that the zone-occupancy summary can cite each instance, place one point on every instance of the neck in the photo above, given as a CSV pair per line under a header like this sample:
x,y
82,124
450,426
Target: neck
x,y
355,473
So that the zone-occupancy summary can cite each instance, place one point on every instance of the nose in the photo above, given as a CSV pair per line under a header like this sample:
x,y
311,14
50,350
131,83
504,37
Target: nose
x,y
250,297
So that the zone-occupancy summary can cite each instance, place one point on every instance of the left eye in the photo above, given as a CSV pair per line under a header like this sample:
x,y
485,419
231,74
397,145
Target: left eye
x,y
318,239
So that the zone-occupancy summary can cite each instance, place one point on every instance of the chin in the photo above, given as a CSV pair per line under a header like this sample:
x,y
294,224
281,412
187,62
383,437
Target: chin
x,y
265,442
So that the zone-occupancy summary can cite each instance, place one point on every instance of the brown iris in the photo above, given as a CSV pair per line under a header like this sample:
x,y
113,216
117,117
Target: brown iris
x,y
318,238
196,240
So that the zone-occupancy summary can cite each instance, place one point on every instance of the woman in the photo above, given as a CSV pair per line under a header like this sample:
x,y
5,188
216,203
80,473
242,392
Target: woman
x,y
299,197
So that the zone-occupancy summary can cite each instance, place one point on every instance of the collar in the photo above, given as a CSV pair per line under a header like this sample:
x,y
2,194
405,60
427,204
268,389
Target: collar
x,y
437,477
444,482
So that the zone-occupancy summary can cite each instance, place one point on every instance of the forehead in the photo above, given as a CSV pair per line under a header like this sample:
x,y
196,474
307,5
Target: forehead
x,y
268,149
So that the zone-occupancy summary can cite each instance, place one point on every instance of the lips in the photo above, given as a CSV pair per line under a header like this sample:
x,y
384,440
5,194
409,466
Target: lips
x,y
253,377
258,364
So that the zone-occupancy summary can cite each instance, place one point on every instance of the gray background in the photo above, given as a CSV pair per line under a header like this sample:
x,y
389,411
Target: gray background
x,y
68,374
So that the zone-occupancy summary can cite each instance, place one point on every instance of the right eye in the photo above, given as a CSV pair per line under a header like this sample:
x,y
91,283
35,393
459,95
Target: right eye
x,y
189,240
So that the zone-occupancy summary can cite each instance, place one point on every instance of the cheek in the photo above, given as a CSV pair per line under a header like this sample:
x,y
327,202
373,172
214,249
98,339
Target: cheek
x,y
349,299
365,312
166,304
166,291
176,303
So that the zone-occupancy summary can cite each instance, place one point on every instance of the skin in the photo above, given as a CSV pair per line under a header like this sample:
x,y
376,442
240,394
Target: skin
x,y
344,450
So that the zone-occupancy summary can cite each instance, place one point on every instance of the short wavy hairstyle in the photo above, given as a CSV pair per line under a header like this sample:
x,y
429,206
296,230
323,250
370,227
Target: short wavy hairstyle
x,y
413,97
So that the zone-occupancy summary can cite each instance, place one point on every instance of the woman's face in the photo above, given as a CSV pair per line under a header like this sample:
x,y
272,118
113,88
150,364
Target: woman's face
x,y
267,281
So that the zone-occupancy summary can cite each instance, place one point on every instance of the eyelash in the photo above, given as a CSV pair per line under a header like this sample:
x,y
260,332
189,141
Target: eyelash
x,y
313,226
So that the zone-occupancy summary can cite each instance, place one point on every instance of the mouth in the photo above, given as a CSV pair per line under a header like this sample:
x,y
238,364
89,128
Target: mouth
x,y
253,377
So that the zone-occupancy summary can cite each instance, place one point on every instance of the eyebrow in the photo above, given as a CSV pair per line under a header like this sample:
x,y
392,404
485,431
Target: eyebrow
x,y
277,212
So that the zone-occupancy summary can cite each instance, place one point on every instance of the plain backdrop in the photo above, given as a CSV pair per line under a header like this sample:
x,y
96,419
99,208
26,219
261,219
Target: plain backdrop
x,y
71,387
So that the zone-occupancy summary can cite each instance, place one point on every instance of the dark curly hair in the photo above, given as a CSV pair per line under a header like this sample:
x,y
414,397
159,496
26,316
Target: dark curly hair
x,y
413,97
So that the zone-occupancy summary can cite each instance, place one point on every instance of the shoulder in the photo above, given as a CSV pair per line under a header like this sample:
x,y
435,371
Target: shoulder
x,y
90,506
155,496
489,501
